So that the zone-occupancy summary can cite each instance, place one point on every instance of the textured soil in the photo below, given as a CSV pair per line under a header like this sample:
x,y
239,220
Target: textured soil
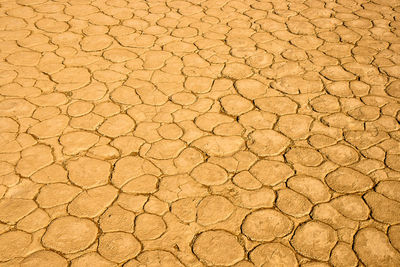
x,y
200,133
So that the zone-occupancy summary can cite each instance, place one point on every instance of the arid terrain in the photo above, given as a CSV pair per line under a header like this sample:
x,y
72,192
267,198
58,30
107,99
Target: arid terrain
x,y
200,133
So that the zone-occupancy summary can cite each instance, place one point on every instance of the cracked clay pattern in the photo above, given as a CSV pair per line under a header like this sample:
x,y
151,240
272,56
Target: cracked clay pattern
x,y
200,133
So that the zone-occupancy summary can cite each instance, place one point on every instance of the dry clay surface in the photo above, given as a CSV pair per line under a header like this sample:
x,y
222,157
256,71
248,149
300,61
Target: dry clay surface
x,y
200,133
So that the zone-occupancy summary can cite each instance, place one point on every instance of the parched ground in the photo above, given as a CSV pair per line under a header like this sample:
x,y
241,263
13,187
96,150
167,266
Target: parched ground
x,y
200,133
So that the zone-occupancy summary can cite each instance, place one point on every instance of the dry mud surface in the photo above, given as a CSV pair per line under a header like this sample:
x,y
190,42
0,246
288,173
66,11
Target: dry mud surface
x,y
200,133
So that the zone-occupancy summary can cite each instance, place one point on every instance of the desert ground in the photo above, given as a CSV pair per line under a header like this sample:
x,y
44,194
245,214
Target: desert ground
x,y
200,133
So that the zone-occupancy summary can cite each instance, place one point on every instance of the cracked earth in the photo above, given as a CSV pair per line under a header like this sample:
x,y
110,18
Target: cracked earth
x,y
200,133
